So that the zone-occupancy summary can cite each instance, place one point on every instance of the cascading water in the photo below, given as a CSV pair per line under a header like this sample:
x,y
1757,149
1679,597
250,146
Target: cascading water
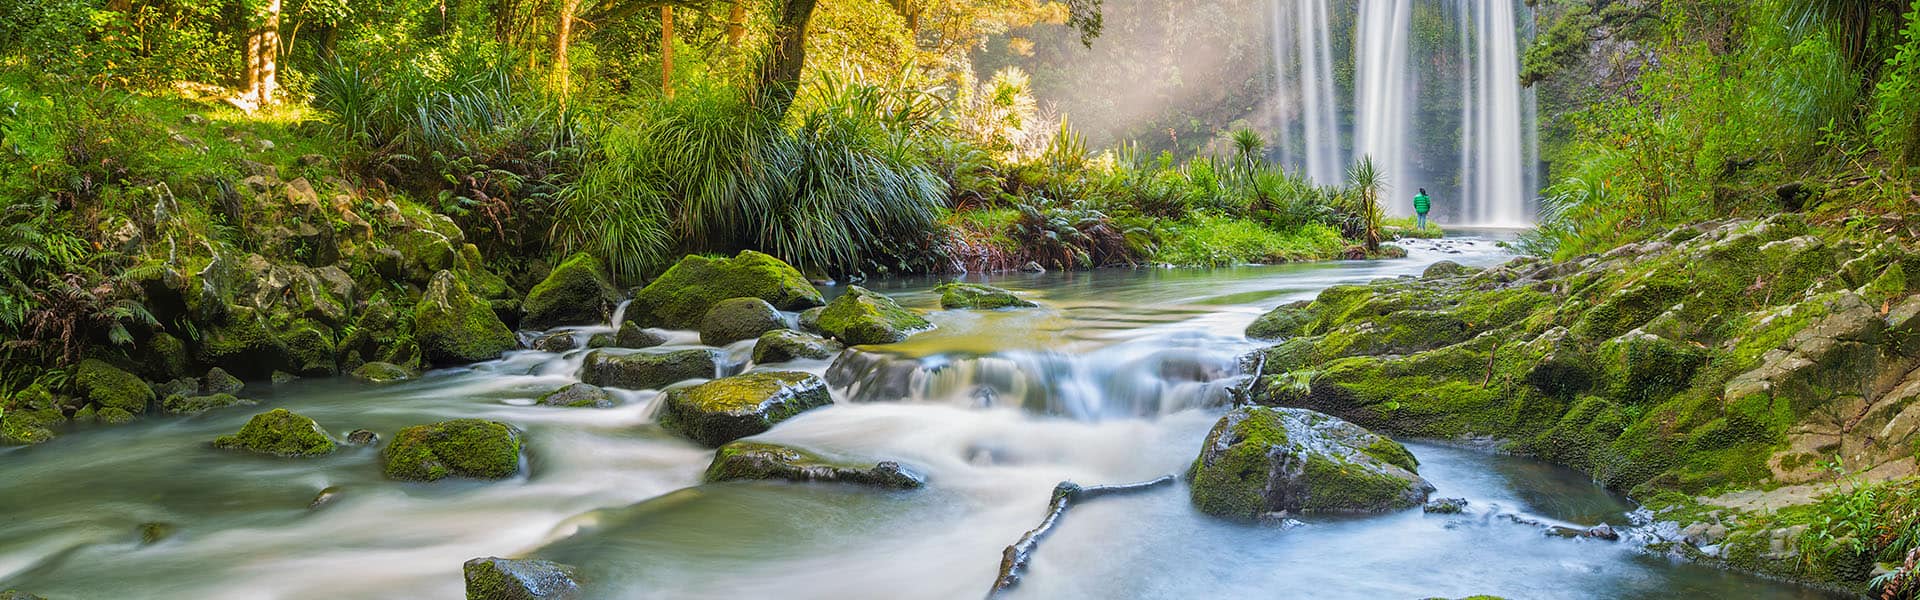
x,y
1460,126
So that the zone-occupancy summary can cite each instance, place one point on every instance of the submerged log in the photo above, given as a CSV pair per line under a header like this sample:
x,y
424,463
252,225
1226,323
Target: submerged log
x,y
1014,559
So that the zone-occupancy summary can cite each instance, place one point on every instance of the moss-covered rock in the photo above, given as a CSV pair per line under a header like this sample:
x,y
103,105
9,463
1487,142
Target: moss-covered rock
x,y
453,326
786,344
632,335
167,357
1259,461
279,432
1642,368
957,295
218,381
736,319
458,448
494,578
578,395
20,427
181,404
649,370
749,460
310,348
728,409
18,595
556,342
1284,321
681,297
109,387
809,320
862,316
382,372
578,292
113,416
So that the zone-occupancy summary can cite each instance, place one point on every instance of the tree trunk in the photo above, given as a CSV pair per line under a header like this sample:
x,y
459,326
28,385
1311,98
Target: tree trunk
x,y
263,56
561,36
737,23
666,49
779,78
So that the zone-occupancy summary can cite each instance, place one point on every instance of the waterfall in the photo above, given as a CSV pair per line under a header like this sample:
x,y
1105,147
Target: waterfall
x,y
1401,102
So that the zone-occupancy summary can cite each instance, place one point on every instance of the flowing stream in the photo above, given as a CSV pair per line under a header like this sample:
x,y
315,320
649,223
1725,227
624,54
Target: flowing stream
x,y
1115,380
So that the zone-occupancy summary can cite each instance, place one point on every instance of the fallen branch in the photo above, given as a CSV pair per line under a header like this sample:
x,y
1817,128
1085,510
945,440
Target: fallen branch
x,y
1014,559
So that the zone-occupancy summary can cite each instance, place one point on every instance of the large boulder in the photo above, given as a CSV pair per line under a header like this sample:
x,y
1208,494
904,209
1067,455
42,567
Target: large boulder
x,y
577,292
578,395
681,297
957,295
736,319
649,370
219,381
632,335
458,448
279,432
728,409
19,427
382,372
106,386
1285,321
862,316
744,460
493,578
786,344
453,326
1259,461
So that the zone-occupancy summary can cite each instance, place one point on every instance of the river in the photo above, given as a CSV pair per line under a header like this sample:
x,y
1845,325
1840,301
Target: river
x,y
1116,379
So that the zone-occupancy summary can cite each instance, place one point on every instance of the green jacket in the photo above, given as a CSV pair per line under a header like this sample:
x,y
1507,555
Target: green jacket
x,y
1422,203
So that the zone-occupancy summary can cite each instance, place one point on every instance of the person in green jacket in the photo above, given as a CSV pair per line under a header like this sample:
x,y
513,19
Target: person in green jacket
x,y
1422,204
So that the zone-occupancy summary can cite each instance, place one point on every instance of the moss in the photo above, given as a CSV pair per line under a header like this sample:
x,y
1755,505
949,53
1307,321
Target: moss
x,y
279,432
1261,460
1282,322
310,348
1339,486
731,408
523,579
786,345
632,335
218,381
382,372
1644,368
679,298
736,319
648,370
113,416
1391,452
452,326
167,357
181,404
747,460
1234,484
956,295
578,395
110,387
26,427
862,316
458,448
243,343
1630,307
578,292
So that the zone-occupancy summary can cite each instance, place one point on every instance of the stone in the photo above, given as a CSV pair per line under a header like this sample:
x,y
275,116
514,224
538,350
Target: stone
x,y
382,372
27,427
218,381
1259,461
809,320
1284,321
556,342
578,292
493,578
181,404
786,345
325,497
728,409
1445,506
18,595
472,448
736,319
154,533
1444,269
862,316
749,460
578,395
453,326
108,386
681,297
279,432
362,437
632,335
649,370
976,296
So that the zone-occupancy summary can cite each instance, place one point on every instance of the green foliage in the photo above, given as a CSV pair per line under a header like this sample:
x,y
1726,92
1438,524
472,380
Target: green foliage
x,y
1215,241
1895,118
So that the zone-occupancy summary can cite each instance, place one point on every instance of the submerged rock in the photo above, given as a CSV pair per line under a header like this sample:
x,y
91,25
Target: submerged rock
x,y
362,437
453,326
107,386
577,292
758,460
279,432
649,370
154,533
736,319
1445,506
493,578
458,448
862,316
728,409
578,395
786,345
681,297
380,372
977,296
186,405
1259,461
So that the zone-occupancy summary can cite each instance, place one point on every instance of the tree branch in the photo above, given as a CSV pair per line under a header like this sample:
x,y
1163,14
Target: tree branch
x,y
1014,559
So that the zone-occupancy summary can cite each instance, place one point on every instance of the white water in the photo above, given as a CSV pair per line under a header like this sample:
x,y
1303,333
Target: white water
x,y
1495,179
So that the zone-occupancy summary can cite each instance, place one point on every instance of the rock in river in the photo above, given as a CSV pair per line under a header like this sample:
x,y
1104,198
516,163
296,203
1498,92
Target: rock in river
x,y
681,297
786,345
958,295
1258,461
457,448
279,432
738,319
494,578
862,316
578,395
576,293
758,460
648,370
724,410
454,326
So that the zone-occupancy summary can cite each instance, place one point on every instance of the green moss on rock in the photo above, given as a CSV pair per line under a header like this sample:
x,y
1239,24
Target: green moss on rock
x,y
1285,321
494,578
736,319
648,370
862,316
681,297
1259,460
453,326
578,395
786,345
472,448
578,292
279,432
975,296
109,387
20,427
728,409
180,404
749,460
382,372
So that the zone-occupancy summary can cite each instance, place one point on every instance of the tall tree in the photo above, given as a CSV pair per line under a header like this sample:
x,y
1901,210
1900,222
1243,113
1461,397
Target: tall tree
x,y
779,76
666,49
562,35
263,55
